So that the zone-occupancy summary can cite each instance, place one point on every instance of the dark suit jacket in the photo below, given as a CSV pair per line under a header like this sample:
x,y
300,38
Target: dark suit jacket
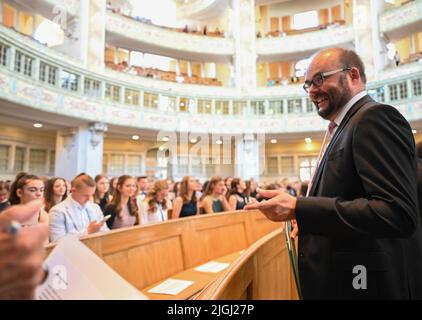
x,y
363,210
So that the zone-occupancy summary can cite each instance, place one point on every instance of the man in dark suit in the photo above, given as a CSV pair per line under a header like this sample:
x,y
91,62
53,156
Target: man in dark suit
x,y
419,157
359,228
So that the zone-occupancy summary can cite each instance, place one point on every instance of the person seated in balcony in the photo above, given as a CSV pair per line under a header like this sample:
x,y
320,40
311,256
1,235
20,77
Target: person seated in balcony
x,y
259,35
214,198
397,58
102,195
123,66
156,205
55,192
186,204
77,215
4,195
123,209
24,189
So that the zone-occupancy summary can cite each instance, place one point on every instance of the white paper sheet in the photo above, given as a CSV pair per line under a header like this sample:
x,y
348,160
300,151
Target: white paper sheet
x,y
77,273
171,286
213,267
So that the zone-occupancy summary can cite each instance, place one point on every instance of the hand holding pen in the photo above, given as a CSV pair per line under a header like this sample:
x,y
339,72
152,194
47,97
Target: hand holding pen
x,y
21,252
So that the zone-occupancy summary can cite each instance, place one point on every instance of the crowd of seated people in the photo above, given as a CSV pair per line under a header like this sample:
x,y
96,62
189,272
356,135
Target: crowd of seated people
x,y
290,32
284,81
413,57
89,205
162,75
216,33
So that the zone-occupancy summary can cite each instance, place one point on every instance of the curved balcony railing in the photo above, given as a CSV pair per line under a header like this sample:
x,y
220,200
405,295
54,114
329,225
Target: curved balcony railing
x,y
293,45
38,77
51,8
167,42
395,23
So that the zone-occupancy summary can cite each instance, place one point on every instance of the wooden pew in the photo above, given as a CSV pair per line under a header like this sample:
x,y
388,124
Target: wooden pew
x,y
261,272
147,255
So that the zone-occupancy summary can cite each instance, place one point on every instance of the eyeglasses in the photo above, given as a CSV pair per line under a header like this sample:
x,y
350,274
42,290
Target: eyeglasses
x,y
319,78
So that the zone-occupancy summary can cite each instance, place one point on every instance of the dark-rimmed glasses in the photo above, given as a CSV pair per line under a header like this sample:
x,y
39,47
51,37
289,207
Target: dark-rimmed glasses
x,y
319,78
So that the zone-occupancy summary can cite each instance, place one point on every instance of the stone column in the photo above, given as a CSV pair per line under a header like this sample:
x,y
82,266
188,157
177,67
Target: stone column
x,y
245,50
96,22
249,156
79,150
369,45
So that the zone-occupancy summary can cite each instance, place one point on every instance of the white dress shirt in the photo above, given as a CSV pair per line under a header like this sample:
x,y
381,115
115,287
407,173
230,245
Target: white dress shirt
x,y
343,111
70,217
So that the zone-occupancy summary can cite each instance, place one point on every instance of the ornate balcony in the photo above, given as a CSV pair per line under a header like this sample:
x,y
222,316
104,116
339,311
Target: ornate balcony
x,y
398,22
52,8
302,45
126,32
33,76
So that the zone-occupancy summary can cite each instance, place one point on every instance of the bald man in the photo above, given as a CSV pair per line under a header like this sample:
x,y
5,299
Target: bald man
x,y
359,227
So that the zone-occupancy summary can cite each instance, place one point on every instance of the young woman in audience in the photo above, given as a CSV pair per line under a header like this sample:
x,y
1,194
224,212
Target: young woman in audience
x,y
122,208
235,196
228,182
156,205
113,184
171,195
4,195
25,188
55,192
176,189
214,198
186,203
248,192
101,195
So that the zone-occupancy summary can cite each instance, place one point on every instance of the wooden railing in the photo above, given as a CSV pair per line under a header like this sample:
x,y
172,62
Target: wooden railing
x,y
147,255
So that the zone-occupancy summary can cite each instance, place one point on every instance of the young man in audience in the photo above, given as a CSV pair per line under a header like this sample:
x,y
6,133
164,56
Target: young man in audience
x,y
143,188
77,215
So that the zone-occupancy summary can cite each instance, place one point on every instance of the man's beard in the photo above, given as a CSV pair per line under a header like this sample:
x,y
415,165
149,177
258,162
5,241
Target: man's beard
x,y
337,99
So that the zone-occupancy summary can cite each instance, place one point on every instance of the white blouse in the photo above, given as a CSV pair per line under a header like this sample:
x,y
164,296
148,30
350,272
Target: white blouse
x,y
159,215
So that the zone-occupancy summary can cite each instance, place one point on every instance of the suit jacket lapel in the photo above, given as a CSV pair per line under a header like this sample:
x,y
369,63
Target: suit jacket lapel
x,y
366,99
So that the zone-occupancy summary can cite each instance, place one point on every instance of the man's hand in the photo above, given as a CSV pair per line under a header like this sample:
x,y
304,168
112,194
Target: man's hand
x,y
295,231
21,254
280,207
95,226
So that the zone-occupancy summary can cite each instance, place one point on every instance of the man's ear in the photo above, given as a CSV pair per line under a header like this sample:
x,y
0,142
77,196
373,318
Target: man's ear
x,y
354,73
